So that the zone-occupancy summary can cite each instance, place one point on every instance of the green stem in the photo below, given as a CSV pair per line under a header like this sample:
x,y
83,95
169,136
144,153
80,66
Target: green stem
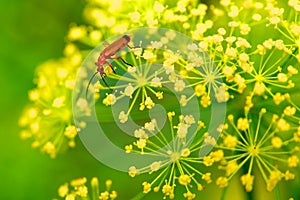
x,y
276,191
286,61
224,193
250,195
245,170
139,196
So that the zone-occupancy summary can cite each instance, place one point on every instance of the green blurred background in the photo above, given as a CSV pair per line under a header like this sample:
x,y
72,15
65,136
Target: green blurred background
x,y
31,32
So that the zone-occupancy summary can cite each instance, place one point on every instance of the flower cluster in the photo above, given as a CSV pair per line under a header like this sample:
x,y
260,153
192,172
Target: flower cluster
x,y
179,163
141,83
78,189
48,119
288,27
253,142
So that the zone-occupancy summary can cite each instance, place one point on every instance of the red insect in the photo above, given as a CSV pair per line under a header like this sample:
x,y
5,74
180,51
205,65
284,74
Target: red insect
x,y
108,53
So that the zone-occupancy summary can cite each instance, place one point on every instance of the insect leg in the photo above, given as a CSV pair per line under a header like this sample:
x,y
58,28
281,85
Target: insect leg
x,y
133,47
111,67
105,44
122,59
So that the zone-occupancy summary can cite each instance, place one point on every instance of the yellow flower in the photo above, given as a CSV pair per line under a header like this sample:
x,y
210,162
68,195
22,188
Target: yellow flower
x,y
77,189
243,124
247,181
147,187
51,105
132,171
293,161
189,195
70,131
222,182
168,190
230,141
276,142
109,100
178,167
184,179
275,177
63,190
76,32
207,177
256,147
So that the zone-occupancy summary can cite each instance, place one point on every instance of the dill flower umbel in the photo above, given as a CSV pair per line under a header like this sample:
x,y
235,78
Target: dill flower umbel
x,y
141,81
288,27
178,150
78,189
48,120
248,143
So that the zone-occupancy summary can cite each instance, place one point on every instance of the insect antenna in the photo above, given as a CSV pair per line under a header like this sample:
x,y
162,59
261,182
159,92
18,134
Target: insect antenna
x,y
87,88
106,83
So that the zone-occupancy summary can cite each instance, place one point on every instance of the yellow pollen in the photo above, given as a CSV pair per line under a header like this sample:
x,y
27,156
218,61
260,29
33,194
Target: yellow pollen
x,y
259,78
210,78
141,81
253,151
175,156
